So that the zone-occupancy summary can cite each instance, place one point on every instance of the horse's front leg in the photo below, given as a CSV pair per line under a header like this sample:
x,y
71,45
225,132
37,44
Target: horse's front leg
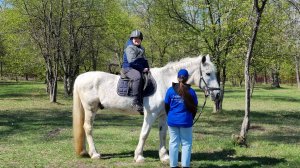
x,y
88,127
162,126
148,121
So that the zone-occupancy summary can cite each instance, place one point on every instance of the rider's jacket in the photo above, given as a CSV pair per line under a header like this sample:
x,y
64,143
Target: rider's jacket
x,y
134,57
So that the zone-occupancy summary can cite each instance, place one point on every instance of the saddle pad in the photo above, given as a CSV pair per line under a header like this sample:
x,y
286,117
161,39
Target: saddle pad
x,y
124,87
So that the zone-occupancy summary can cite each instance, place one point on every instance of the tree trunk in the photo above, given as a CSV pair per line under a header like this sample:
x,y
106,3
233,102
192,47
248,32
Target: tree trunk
x,y
1,69
297,62
68,84
265,77
241,82
241,140
219,104
52,85
253,81
94,61
275,78
53,90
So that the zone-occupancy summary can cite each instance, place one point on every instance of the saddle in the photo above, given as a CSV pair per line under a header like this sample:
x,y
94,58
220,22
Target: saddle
x,y
125,84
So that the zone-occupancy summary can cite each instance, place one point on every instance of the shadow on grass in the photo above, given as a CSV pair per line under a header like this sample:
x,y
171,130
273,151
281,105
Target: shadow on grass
x,y
22,122
117,155
276,98
44,121
19,96
33,83
228,155
266,117
234,93
24,89
130,154
270,88
286,125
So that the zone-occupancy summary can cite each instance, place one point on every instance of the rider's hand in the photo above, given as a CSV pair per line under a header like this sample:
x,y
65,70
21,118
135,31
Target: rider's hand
x,y
145,70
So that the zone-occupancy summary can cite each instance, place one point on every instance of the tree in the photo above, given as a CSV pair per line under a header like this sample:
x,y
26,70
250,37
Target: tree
x,y
73,34
271,49
20,54
258,9
293,34
77,25
88,28
45,24
161,33
215,25
119,24
2,54
2,51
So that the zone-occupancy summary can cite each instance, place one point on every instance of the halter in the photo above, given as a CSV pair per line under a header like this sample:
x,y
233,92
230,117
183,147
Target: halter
x,y
207,90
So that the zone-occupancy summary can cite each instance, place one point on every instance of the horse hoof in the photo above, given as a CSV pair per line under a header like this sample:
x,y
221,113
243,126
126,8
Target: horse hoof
x,y
84,154
165,159
140,159
96,156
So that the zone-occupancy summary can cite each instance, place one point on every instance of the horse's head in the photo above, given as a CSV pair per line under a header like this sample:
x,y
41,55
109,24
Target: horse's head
x,y
205,78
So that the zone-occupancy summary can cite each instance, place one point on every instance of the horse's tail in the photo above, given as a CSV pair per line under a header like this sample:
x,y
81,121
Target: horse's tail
x,y
78,121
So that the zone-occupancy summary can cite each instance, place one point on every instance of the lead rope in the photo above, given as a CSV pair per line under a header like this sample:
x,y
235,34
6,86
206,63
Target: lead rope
x,y
201,110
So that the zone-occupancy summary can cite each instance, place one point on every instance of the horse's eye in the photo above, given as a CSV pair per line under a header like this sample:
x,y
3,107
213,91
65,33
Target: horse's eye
x,y
208,74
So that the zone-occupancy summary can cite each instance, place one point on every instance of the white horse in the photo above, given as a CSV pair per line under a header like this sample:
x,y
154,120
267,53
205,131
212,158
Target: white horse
x,y
93,90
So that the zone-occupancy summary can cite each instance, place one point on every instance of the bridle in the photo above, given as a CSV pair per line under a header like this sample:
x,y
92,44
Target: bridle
x,y
207,91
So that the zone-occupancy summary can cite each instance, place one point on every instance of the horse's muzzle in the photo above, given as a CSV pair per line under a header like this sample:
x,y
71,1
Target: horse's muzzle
x,y
215,95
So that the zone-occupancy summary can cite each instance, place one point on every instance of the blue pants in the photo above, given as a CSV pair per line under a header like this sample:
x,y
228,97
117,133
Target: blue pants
x,y
180,136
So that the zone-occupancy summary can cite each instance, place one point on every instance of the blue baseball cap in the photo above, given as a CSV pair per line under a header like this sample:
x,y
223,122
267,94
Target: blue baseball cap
x,y
183,73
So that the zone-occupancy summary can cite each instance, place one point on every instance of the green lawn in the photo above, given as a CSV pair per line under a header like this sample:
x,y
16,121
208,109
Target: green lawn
x,y
36,133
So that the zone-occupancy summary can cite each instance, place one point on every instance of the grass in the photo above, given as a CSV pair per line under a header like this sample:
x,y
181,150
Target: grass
x,y
36,133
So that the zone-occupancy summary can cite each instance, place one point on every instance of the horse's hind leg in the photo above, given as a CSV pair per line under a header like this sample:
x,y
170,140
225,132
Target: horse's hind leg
x,y
162,126
88,127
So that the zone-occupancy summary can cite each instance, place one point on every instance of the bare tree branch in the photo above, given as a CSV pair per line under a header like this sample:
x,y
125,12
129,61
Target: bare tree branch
x,y
295,4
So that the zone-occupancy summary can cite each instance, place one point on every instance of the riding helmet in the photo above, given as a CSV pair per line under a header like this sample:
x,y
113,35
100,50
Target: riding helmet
x,y
136,33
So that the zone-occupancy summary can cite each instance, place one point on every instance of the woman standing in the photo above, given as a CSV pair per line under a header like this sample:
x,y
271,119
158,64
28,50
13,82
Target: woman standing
x,y
181,106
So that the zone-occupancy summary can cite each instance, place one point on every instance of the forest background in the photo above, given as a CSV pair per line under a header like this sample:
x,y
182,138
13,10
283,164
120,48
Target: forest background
x,y
55,40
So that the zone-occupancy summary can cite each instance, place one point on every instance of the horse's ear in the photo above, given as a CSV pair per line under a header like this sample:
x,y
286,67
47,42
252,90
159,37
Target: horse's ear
x,y
203,60
208,58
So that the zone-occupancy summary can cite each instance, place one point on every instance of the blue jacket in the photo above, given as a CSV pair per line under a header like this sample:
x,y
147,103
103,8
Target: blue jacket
x,y
178,115
134,57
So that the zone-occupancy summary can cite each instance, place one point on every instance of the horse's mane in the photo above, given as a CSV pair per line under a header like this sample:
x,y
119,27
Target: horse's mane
x,y
184,62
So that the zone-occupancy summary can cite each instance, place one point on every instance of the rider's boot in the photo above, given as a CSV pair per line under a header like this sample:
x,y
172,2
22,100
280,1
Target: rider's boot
x,y
137,104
